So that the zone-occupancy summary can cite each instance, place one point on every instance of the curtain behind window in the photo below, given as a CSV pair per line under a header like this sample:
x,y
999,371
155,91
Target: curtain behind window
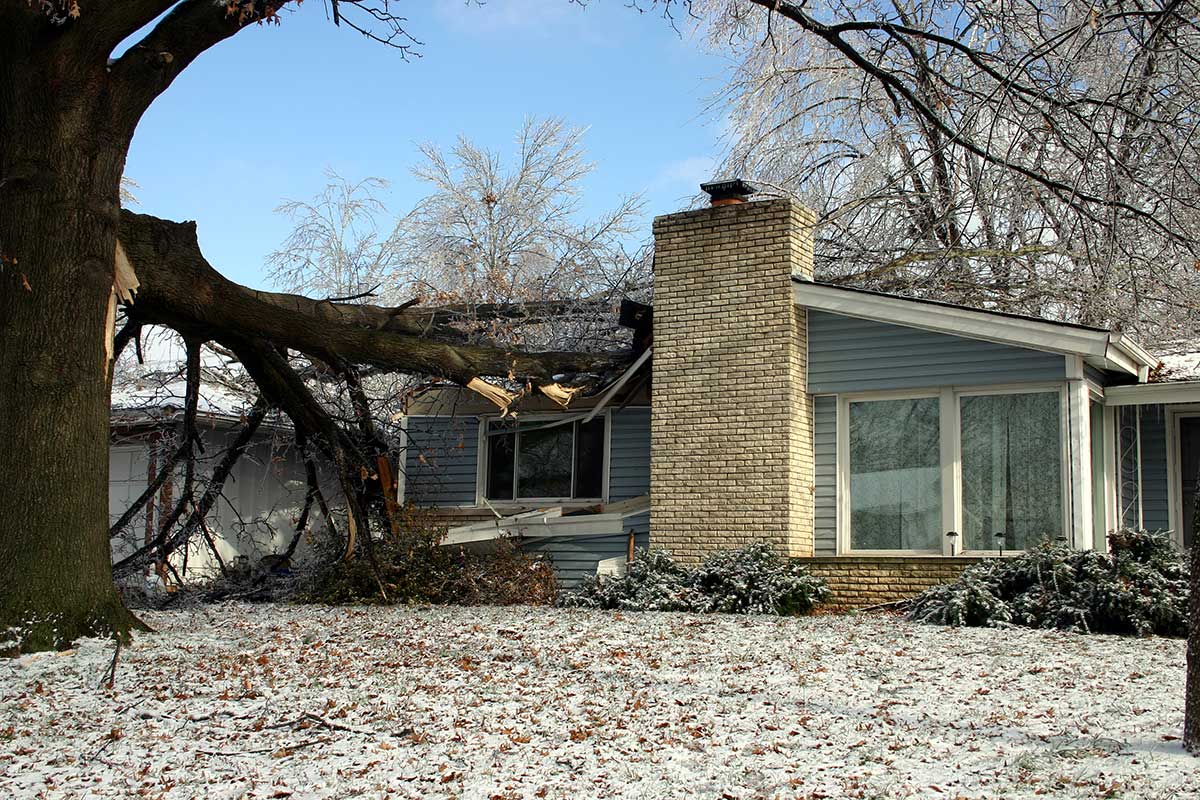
x,y
1011,470
895,475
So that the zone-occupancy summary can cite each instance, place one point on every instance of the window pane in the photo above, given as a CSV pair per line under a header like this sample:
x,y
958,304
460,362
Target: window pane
x,y
1011,470
501,447
589,459
895,475
545,462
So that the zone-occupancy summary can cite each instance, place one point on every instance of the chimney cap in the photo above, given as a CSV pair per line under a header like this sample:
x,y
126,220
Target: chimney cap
x,y
734,189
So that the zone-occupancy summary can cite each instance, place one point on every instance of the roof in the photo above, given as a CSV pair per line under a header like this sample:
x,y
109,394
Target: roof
x,y
156,388
1180,360
1099,347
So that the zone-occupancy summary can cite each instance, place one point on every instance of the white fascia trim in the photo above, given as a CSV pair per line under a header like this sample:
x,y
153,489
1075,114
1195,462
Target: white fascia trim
x,y
1153,393
616,387
1097,347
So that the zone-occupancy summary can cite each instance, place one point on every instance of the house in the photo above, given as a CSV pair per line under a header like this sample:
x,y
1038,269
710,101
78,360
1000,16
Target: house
x,y
255,516
884,441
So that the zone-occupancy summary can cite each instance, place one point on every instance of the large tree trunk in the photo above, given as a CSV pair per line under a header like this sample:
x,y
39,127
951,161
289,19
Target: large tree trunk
x,y
60,173
1191,703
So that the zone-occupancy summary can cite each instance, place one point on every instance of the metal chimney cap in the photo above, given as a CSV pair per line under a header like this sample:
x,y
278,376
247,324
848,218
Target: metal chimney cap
x,y
734,189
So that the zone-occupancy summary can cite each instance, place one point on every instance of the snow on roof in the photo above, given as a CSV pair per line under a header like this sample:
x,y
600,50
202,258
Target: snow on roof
x,y
1180,360
157,387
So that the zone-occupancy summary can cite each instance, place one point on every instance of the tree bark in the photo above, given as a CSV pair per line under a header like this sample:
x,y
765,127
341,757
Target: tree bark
x,y
1191,703
60,172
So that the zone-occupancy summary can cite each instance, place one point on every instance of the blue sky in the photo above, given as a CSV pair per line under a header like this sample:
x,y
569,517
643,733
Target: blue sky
x,y
258,118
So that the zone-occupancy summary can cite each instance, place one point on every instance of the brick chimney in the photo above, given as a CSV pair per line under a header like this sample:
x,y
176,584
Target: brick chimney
x,y
731,426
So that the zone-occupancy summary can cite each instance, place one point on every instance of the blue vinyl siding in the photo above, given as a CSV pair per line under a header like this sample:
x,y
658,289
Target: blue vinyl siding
x,y
825,476
1155,505
629,457
1154,475
1096,376
575,559
847,354
440,465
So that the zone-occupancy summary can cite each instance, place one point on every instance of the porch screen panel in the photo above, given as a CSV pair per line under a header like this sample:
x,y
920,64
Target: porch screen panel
x,y
1011,470
895,475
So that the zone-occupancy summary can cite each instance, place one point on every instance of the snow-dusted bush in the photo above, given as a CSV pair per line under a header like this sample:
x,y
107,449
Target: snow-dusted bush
x,y
754,580
1140,588
652,582
748,580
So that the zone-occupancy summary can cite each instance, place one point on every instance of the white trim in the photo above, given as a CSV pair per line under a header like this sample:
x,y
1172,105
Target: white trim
x,y
1079,464
951,471
1112,473
402,462
551,522
950,455
481,460
1099,348
842,477
1153,394
621,381
1175,469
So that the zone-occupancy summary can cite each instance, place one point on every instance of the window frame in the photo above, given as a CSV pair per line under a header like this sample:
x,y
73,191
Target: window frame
x,y
482,460
950,439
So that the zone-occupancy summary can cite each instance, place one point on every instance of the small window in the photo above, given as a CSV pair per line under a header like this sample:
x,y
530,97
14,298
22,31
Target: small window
x,y
544,460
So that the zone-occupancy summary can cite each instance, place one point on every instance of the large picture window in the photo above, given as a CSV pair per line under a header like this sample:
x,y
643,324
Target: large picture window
x,y
895,475
1011,470
987,465
545,460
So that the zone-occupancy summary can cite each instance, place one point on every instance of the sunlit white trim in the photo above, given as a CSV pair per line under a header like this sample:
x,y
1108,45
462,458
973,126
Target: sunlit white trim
x,y
950,445
1143,394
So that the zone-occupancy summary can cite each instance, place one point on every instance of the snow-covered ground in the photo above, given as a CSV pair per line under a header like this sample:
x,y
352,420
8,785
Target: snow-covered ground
x,y
271,701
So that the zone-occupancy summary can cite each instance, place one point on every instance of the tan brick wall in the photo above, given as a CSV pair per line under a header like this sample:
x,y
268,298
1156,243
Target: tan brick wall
x,y
731,427
858,581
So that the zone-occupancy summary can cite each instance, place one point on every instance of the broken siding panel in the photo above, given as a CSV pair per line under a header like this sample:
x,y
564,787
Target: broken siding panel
x,y
847,354
825,476
575,558
629,458
441,461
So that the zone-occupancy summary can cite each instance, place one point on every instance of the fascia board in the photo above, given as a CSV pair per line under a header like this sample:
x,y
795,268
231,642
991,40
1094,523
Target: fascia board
x,y
966,322
1153,393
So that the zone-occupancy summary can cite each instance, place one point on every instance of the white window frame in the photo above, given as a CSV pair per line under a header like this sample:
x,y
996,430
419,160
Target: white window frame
x,y
950,439
481,476
1174,468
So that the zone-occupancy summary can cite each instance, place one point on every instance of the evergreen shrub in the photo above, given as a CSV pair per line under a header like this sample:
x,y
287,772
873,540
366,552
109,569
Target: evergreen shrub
x,y
748,580
1139,588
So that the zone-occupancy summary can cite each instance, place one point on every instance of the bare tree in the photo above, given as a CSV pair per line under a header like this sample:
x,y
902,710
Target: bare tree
x,y
336,247
1008,155
1011,155
496,235
69,255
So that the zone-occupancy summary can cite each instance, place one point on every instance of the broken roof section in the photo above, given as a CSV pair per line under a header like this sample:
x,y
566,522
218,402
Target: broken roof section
x,y
600,520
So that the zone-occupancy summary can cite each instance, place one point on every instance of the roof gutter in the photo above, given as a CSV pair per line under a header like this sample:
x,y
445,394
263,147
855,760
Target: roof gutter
x,y
1130,356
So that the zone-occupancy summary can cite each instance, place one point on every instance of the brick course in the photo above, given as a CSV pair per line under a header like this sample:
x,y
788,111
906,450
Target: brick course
x,y
858,581
731,423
